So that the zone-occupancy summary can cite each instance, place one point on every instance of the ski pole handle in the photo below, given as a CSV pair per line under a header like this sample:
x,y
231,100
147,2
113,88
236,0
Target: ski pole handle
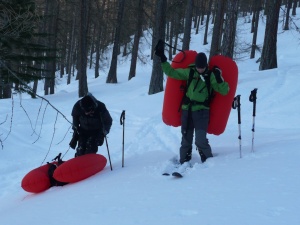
x,y
122,117
161,42
237,104
122,122
252,98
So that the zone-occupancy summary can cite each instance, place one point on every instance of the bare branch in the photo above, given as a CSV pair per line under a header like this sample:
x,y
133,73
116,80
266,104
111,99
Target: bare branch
x,y
39,135
4,120
26,113
11,118
15,22
64,136
30,91
51,139
37,117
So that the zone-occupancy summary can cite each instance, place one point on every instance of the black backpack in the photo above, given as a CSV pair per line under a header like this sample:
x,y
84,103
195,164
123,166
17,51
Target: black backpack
x,y
52,167
208,85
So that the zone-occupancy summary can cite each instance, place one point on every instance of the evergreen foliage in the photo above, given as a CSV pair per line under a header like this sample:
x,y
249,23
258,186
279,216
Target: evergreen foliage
x,y
21,56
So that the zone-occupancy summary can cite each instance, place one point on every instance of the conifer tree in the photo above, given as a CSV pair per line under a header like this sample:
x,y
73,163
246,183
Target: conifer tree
x,y
19,50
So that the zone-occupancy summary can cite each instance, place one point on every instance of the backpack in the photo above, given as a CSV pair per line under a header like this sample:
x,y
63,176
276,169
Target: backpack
x,y
52,167
185,99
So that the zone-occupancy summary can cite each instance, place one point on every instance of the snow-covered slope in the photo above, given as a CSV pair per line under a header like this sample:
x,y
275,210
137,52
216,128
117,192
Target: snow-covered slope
x,y
261,188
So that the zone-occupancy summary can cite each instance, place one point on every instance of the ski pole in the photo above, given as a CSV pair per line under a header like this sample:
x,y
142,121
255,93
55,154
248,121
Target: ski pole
x,y
122,122
252,98
237,104
161,45
108,153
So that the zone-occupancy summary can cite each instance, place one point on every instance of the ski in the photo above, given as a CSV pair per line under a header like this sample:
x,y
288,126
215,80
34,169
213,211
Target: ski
x,y
171,166
175,169
177,174
174,174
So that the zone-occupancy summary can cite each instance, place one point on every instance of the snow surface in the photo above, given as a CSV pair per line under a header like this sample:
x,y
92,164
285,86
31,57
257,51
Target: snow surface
x,y
261,188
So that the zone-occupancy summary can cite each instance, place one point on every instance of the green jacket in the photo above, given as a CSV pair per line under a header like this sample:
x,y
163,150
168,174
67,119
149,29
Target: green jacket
x,y
197,91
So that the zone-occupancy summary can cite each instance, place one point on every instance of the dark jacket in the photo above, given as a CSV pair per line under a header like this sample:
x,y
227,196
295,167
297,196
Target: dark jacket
x,y
99,121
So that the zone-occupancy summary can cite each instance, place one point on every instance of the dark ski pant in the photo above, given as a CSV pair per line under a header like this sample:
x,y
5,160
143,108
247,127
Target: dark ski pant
x,y
88,144
194,121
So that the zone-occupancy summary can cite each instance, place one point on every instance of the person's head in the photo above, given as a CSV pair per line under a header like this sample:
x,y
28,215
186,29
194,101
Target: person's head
x,y
201,62
88,104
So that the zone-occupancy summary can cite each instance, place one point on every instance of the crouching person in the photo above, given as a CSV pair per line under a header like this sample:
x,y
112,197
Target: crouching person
x,y
91,123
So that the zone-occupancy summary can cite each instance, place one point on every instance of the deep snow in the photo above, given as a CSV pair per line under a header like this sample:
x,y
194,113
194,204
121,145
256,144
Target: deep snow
x,y
261,188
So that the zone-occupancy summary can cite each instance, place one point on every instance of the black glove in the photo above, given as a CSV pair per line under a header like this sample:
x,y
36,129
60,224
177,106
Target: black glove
x,y
218,74
74,140
159,50
78,131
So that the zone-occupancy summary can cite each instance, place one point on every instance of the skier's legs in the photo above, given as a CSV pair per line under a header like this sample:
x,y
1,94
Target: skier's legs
x,y
187,131
80,150
201,119
202,144
91,145
186,146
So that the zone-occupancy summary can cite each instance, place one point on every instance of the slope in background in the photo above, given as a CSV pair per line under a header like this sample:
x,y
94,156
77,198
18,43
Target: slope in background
x,y
259,188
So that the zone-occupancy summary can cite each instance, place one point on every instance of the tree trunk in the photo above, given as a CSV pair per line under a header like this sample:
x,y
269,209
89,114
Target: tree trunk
x,y
287,15
175,43
112,74
188,25
156,83
7,90
99,35
255,28
92,44
34,88
52,12
47,25
97,49
269,51
125,49
55,12
207,23
63,56
71,44
171,35
1,87
294,8
82,59
215,48
137,36
230,28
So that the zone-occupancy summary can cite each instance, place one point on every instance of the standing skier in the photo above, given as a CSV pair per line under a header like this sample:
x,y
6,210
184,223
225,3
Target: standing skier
x,y
195,105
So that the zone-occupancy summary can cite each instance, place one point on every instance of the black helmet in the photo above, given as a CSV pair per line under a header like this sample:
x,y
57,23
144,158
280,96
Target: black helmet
x,y
201,60
87,103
